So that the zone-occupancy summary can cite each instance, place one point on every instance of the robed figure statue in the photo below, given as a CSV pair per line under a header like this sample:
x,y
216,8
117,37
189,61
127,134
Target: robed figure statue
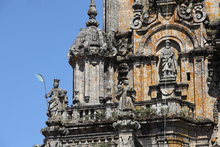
x,y
126,96
168,63
58,101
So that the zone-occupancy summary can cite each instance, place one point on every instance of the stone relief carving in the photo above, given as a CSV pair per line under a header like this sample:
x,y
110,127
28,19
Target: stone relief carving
x,y
92,41
189,10
184,10
167,63
199,13
54,129
124,46
146,11
136,21
143,16
166,8
150,15
58,101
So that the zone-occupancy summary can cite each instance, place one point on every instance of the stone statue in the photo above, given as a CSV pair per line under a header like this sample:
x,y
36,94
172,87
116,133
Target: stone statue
x,y
58,101
126,96
168,64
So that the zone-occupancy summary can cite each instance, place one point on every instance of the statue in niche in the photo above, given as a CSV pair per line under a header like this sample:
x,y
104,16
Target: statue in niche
x,y
58,101
168,63
126,96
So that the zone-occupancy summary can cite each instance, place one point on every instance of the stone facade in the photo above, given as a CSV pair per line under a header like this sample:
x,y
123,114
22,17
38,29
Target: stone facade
x,y
149,79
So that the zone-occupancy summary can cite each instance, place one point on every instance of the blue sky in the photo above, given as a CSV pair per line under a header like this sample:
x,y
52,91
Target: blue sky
x,y
35,36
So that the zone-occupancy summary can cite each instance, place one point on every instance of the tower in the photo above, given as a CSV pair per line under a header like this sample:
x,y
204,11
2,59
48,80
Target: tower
x,y
150,78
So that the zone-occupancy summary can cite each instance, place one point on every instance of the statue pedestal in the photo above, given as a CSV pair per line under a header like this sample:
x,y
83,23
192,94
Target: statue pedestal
x,y
169,89
126,127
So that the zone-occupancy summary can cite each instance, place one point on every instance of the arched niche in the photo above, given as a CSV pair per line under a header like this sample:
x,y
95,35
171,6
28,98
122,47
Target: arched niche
x,y
177,32
167,51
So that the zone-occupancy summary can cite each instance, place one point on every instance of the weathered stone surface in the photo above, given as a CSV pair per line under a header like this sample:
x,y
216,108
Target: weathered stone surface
x,y
165,55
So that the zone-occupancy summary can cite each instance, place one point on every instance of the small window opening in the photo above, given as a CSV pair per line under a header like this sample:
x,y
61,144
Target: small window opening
x,y
188,76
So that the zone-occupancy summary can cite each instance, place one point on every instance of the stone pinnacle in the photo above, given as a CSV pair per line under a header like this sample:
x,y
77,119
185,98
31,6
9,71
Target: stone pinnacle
x,y
92,12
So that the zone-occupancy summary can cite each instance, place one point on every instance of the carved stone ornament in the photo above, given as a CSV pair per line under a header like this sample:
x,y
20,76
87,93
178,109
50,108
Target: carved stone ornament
x,y
166,7
91,40
143,17
126,125
136,22
191,11
124,46
54,131
185,11
199,13
150,15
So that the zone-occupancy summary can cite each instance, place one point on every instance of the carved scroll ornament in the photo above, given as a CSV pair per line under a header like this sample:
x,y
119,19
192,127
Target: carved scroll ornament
x,y
141,17
191,11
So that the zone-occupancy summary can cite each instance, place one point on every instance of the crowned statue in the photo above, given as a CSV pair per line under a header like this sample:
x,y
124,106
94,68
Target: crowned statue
x,y
58,101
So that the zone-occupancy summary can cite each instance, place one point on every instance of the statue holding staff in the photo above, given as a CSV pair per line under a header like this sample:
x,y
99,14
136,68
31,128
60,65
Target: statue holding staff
x,y
168,64
58,101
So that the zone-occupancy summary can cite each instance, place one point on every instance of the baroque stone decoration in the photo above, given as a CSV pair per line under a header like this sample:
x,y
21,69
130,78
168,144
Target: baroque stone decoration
x,y
150,78
147,11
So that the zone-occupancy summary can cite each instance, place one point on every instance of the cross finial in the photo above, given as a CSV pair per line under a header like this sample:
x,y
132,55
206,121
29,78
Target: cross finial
x,y
92,12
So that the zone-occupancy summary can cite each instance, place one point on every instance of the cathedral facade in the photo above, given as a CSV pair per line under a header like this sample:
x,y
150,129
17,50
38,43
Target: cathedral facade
x,y
150,78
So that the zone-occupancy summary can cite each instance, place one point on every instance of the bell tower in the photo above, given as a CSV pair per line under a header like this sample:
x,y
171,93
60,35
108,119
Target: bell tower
x,y
150,78
88,55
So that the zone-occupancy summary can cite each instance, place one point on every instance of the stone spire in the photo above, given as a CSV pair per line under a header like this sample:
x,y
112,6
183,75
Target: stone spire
x,y
92,12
